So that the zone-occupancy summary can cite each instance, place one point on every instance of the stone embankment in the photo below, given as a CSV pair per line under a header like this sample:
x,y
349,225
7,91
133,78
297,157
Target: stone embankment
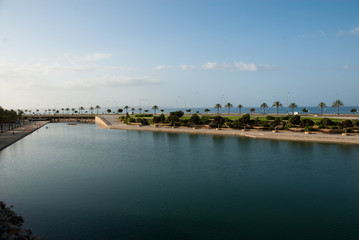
x,y
11,226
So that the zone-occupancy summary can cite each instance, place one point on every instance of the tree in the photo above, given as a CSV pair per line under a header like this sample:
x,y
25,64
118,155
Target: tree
x,y
162,110
353,110
72,109
292,106
305,110
338,104
62,109
155,107
126,108
239,108
132,110
188,110
120,110
322,105
277,104
140,110
217,106
97,108
264,106
81,109
67,110
91,109
229,106
252,110
207,110
109,110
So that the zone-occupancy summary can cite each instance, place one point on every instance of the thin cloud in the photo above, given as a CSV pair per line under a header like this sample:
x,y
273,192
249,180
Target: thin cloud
x,y
237,66
355,31
161,67
97,56
187,67
349,67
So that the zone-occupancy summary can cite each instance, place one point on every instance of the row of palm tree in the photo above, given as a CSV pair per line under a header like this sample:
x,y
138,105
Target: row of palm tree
x,y
337,103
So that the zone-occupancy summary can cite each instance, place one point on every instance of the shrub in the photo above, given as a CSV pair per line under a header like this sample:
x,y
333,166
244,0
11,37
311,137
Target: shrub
x,y
177,113
356,123
333,127
218,121
285,118
269,117
295,120
346,124
306,123
326,122
143,115
320,126
205,120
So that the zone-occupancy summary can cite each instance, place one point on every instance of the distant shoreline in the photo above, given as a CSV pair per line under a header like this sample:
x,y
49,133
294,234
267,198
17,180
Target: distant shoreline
x,y
112,122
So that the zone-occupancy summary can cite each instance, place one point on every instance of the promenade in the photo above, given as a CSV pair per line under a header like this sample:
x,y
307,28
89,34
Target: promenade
x,y
113,122
9,137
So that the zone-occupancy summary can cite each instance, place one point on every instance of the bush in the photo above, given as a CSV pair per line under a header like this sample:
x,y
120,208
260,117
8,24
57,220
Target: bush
x,y
333,127
356,123
285,118
346,124
306,123
320,126
295,120
326,122
143,115
205,120
177,113
218,121
269,117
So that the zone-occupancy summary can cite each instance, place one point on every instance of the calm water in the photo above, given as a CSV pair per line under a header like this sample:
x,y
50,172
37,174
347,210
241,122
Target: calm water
x,y
83,182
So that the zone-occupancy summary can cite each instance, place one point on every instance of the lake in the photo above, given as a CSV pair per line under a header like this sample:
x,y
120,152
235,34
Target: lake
x,y
85,182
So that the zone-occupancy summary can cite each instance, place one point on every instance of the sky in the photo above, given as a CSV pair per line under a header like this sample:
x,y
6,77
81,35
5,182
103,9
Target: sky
x,y
72,53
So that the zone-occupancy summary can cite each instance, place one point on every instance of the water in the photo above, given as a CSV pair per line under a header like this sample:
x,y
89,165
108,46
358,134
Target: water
x,y
84,182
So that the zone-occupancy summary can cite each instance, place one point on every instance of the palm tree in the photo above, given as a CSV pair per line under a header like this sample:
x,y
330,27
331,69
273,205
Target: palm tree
x,y
97,108
207,110
91,109
239,108
217,106
140,109
67,110
338,104
252,110
126,107
132,110
81,109
322,105
155,107
229,106
72,109
277,104
264,106
292,106
62,109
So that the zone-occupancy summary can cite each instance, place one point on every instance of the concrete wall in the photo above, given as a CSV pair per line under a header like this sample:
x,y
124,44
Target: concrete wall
x,y
101,122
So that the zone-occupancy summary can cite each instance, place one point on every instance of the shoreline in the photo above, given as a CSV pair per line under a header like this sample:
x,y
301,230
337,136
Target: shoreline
x,y
112,122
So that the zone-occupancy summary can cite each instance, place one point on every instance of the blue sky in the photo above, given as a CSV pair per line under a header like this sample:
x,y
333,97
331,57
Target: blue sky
x,y
56,54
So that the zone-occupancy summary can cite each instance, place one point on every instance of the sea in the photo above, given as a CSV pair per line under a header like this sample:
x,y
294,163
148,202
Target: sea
x,y
85,182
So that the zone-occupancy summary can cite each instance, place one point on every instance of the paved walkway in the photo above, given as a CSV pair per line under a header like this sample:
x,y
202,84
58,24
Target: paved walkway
x,y
11,136
352,138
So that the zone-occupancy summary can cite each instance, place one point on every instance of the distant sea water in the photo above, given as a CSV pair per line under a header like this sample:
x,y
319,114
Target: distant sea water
x,y
84,182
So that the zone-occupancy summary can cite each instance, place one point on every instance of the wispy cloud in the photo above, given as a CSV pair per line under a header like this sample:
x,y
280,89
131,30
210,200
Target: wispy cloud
x,y
106,81
161,67
187,67
348,67
237,66
355,31
97,56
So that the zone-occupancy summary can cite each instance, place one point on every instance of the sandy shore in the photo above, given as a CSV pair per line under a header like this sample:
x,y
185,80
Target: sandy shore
x,y
11,136
112,122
